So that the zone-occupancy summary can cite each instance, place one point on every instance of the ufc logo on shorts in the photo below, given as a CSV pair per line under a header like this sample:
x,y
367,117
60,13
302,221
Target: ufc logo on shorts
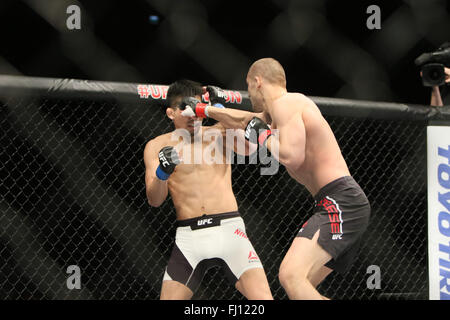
x,y
204,221
336,237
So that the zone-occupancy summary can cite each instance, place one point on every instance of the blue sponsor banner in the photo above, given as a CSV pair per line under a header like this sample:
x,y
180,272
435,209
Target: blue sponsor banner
x,y
438,158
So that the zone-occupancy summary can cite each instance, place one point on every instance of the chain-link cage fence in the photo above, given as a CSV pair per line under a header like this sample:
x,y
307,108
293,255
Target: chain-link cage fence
x,y
73,193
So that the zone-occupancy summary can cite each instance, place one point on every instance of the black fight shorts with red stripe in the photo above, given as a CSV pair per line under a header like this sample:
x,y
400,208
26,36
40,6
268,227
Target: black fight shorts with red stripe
x,y
342,213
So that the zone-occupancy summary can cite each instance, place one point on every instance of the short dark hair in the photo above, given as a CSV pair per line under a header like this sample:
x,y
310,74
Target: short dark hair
x,y
183,88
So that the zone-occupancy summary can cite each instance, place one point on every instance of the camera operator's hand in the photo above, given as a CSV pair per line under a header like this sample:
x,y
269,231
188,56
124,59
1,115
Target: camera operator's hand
x,y
436,99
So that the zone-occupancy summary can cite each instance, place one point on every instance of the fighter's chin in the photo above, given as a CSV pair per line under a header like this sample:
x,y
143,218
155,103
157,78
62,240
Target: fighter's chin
x,y
193,130
257,108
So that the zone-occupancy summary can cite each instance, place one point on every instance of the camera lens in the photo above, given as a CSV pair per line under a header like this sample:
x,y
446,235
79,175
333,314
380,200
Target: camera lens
x,y
433,74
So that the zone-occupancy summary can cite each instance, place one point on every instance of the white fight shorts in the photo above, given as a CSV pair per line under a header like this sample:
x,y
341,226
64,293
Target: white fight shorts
x,y
207,241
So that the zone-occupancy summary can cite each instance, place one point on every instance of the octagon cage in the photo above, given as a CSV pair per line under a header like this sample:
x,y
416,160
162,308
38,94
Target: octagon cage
x,y
73,194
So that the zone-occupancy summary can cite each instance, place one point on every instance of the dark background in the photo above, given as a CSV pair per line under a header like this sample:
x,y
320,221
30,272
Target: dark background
x,y
325,46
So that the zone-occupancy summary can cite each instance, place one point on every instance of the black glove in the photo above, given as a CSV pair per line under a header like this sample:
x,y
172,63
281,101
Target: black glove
x,y
216,95
257,131
168,160
196,105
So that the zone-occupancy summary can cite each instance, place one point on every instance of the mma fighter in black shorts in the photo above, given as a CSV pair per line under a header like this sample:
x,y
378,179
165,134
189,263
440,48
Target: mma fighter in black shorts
x,y
305,144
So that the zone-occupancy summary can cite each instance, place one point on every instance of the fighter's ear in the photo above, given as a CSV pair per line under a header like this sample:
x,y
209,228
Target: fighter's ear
x,y
258,81
170,112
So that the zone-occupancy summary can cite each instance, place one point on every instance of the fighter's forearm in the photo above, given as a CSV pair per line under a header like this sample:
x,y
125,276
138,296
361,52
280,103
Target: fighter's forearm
x,y
156,191
231,118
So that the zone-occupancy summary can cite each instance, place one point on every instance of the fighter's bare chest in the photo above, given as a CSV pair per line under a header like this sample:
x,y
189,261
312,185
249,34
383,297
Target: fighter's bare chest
x,y
199,157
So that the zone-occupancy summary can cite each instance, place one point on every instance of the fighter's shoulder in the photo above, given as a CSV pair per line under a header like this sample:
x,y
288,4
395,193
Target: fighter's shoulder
x,y
292,104
304,104
298,99
155,144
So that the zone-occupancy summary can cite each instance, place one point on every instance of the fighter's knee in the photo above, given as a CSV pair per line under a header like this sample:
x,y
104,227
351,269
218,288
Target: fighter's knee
x,y
254,286
172,290
261,293
310,278
288,276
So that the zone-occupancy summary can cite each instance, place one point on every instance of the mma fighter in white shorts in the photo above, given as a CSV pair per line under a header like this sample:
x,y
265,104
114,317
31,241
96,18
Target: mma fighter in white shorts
x,y
210,231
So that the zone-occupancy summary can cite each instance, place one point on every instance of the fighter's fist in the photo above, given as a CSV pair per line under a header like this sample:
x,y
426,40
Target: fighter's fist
x,y
168,160
216,95
257,131
197,107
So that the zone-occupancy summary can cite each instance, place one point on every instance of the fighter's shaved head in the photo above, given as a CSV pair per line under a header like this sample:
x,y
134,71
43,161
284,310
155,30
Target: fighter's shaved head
x,y
269,69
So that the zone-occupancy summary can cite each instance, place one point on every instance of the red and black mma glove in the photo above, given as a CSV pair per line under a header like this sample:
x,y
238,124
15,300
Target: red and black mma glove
x,y
168,160
196,105
257,132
